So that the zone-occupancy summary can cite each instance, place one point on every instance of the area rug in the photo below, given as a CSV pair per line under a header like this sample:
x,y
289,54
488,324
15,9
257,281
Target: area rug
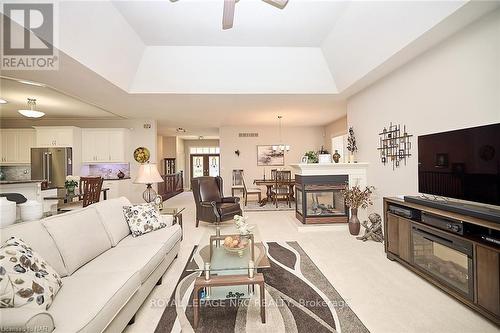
x,y
254,206
299,298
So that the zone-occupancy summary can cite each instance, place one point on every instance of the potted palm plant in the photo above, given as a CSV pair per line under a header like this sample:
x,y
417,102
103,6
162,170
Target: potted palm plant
x,y
354,198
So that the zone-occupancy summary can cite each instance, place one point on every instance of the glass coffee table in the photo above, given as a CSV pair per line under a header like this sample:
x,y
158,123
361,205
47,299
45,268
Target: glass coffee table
x,y
228,270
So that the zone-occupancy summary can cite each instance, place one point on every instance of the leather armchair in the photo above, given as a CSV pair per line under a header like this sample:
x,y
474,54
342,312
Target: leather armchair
x,y
211,205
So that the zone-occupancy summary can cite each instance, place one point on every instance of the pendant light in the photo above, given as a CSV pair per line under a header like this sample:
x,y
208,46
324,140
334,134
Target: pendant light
x,y
281,147
31,113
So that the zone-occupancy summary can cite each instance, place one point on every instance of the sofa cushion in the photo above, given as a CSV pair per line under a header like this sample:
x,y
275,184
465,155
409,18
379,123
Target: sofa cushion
x,y
26,279
143,218
167,237
79,235
141,258
88,303
35,234
111,214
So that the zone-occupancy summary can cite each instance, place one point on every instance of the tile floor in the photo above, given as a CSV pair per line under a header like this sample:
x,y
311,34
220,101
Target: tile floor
x,y
386,296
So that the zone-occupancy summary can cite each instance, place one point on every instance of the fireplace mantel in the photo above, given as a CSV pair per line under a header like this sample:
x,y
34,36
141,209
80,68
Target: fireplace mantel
x,y
355,171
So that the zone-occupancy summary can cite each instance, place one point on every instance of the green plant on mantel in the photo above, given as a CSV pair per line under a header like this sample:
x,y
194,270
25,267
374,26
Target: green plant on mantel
x,y
312,157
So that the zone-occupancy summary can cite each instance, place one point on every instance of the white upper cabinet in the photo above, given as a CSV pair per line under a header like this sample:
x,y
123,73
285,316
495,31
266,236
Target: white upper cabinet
x,y
60,136
104,145
16,146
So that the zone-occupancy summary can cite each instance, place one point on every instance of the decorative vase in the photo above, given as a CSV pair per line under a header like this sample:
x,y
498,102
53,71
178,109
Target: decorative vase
x,y
354,224
336,156
70,189
120,174
351,158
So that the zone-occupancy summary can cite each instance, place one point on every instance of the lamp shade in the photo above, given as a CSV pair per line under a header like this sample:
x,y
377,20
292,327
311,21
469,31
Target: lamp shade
x,y
148,174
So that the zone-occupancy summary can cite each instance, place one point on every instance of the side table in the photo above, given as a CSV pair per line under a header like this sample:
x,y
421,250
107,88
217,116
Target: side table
x,y
176,214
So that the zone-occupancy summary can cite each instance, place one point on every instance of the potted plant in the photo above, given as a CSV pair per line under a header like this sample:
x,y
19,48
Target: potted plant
x,y
351,145
71,183
354,198
312,157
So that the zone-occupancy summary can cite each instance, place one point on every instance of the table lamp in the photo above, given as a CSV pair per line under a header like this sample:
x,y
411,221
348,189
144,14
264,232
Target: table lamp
x,y
148,174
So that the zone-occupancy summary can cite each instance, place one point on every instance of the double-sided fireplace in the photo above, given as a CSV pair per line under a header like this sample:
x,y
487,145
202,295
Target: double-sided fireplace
x,y
319,199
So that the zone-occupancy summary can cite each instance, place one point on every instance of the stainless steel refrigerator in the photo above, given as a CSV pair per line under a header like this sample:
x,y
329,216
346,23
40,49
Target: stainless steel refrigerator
x,y
52,165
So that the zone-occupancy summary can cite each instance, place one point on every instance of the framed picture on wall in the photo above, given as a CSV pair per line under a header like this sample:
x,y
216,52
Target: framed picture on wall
x,y
266,156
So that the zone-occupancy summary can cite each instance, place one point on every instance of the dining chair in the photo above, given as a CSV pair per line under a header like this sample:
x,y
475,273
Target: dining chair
x,y
237,182
273,174
251,191
281,187
90,193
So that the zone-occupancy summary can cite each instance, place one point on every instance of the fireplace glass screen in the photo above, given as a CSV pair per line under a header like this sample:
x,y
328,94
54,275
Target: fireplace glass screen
x,y
443,262
320,203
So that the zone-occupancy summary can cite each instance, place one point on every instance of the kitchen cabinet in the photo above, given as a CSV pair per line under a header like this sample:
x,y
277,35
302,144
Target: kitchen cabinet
x,y
117,188
104,145
55,136
16,146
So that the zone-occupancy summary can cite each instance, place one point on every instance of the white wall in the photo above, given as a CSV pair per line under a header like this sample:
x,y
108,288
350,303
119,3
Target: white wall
x,y
454,85
300,139
205,69
335,128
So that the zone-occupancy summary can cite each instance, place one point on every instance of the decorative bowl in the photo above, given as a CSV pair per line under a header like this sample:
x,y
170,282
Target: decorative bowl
x,y
235,244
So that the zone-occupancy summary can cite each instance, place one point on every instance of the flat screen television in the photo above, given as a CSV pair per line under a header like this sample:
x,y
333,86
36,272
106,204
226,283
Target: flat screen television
x,y
462,164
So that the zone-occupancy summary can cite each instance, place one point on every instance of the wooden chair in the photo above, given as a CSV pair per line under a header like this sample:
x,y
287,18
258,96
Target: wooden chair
x,y
237,182
251,190
273,174
91,188
90,192
281,187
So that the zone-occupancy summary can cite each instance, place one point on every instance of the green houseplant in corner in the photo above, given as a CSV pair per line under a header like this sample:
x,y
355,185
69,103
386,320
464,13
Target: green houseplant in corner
x,y
354,198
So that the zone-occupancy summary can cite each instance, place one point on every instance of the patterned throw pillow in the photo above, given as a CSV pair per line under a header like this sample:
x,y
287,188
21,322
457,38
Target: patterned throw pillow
x,y
26,279
143,218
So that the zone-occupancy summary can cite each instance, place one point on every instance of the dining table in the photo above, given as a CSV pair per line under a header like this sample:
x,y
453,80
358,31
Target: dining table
x,y
66,196
269,183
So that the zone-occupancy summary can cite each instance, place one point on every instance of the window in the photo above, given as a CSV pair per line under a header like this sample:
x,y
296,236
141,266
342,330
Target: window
x,y
204,150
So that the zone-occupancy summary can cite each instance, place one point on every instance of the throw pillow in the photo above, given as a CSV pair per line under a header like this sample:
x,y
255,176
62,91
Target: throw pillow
x,y
26,279
143,218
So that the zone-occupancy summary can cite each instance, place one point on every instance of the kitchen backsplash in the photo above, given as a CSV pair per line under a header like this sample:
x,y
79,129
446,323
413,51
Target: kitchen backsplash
x,y
16,172
106,171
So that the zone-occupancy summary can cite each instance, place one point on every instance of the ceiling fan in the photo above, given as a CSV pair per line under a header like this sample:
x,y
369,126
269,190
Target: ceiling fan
x,y
229,5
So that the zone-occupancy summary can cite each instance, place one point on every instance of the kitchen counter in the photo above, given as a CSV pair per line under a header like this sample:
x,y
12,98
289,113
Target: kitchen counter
x,y
7,182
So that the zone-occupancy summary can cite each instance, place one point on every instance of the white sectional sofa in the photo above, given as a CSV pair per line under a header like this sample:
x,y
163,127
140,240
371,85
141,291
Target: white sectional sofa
x,y
107,274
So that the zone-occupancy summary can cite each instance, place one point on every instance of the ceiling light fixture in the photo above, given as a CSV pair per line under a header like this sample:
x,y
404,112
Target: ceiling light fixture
x,y
281,147
180,130
31,113
31,83
228,11
3,101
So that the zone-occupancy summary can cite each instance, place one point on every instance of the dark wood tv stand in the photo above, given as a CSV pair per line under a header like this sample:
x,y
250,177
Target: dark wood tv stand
x,y
483,261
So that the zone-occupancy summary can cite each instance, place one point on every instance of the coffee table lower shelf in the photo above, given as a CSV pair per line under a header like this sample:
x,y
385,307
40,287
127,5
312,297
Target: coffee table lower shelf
x,y
227,281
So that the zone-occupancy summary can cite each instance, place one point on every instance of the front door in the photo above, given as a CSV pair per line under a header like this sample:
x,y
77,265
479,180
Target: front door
x,y
205,165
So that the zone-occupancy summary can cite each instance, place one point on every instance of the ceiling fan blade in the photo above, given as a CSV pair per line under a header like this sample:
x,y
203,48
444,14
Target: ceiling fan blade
x,y
277,3
228,14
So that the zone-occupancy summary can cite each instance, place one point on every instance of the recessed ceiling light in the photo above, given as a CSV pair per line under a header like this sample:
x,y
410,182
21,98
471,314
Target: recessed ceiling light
x,y
31,113
32,83
180,130
3,101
